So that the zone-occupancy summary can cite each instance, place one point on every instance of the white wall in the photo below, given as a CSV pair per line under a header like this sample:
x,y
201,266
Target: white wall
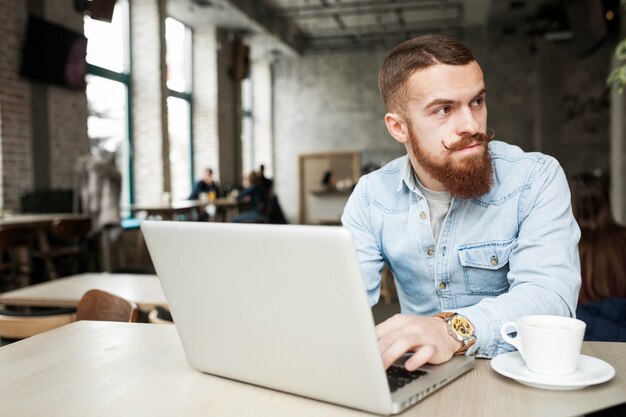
x,y
327,102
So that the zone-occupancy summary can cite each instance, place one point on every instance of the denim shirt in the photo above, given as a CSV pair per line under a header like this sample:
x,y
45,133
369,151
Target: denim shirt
x,y
509,253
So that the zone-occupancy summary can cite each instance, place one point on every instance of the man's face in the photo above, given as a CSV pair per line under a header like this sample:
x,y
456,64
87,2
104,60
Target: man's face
x,y
446,121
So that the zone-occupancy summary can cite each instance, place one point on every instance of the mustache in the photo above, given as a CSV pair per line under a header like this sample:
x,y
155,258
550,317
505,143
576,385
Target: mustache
x,y
467,140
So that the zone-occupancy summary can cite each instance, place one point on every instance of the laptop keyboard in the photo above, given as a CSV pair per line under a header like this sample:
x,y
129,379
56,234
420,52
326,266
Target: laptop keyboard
x,y
398,376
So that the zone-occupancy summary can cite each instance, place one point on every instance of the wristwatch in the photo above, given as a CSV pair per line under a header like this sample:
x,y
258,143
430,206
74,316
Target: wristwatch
x,y
460,328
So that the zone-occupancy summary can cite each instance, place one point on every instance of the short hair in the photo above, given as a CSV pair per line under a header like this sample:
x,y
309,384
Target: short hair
x,y
413,55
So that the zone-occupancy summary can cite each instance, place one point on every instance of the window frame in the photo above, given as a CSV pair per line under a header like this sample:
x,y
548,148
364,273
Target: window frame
x,y
187,95
125,78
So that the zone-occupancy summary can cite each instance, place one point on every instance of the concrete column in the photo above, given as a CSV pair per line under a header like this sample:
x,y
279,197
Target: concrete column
x,y
229,112
149,104
205,135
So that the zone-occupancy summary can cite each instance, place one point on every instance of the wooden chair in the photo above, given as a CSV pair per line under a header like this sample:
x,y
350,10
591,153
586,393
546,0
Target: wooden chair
x,y
68,241
94,305
15,243
57,200
103,306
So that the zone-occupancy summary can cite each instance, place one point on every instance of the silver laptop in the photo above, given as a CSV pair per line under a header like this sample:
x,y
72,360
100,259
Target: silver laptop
x,y
283,307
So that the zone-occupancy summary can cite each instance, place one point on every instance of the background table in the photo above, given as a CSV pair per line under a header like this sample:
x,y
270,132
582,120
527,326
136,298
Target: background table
x,y
35,220
168,211
39,224
144,290
224,206
104,369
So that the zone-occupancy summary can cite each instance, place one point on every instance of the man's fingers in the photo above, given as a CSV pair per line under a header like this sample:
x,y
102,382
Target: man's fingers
x,y
426,336
423,355
392,350
394,322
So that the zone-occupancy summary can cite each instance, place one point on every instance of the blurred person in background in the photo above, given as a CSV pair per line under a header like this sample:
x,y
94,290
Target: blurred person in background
x,y
252,200
602,244
602,247
207,184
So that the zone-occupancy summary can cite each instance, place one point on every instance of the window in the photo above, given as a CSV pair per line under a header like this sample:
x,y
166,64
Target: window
x,y
107,123
107,45
108,92
179,107
179,114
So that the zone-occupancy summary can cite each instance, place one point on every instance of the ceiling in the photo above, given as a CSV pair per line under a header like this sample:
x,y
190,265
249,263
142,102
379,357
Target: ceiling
x,y
333,24
341,24
305,25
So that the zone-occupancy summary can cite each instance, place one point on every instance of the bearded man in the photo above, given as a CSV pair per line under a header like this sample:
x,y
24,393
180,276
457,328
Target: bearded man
x,y
476,232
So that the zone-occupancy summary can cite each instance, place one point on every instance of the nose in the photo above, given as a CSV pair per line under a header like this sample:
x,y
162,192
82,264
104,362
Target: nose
x,y
467,123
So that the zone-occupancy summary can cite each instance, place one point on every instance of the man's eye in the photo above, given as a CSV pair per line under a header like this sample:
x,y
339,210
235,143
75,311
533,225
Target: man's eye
x,y
442,111
478,102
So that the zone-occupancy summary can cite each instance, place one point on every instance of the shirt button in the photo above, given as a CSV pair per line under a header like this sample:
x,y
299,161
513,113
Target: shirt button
x,y
494,261
442,285
430,252
422,215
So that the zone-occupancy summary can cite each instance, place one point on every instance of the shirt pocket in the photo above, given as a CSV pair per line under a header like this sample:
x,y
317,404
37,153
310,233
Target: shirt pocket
x,y
486,266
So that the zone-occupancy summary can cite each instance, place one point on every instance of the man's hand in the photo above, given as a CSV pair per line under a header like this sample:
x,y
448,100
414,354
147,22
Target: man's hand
x,y
426,336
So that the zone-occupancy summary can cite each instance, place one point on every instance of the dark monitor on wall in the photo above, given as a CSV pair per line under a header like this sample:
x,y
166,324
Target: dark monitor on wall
x,y
53,54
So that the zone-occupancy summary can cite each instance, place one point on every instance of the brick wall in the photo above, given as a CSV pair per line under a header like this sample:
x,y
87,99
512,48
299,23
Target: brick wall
x,y
148,102
206,143
15,132
64,112
326,102
67,118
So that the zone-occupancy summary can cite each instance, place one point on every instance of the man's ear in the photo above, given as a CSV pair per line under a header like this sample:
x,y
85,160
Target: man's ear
x,y
397,127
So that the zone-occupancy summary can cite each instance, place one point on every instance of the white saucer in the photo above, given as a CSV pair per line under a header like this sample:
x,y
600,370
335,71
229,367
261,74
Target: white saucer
x,y
590,371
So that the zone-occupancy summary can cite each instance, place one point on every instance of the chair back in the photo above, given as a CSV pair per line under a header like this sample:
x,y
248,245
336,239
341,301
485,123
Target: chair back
x,y
66,245
15,264
103,306
47,201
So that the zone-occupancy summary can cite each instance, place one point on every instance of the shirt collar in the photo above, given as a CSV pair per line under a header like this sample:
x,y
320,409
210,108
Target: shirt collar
x,y
407,176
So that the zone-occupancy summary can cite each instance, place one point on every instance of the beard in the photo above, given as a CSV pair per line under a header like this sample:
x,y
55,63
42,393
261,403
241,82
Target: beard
x,y
467,178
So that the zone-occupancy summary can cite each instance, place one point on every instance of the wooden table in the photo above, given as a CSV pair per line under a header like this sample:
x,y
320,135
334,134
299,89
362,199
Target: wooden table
x,y
104,369
144,290
35,220
168,211
224,207
40,225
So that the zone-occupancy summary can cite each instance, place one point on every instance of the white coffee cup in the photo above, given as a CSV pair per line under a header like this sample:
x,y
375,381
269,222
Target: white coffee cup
x,y
550,345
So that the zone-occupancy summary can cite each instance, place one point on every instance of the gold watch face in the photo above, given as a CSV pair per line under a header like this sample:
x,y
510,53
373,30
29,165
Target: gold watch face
x,y
462,326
